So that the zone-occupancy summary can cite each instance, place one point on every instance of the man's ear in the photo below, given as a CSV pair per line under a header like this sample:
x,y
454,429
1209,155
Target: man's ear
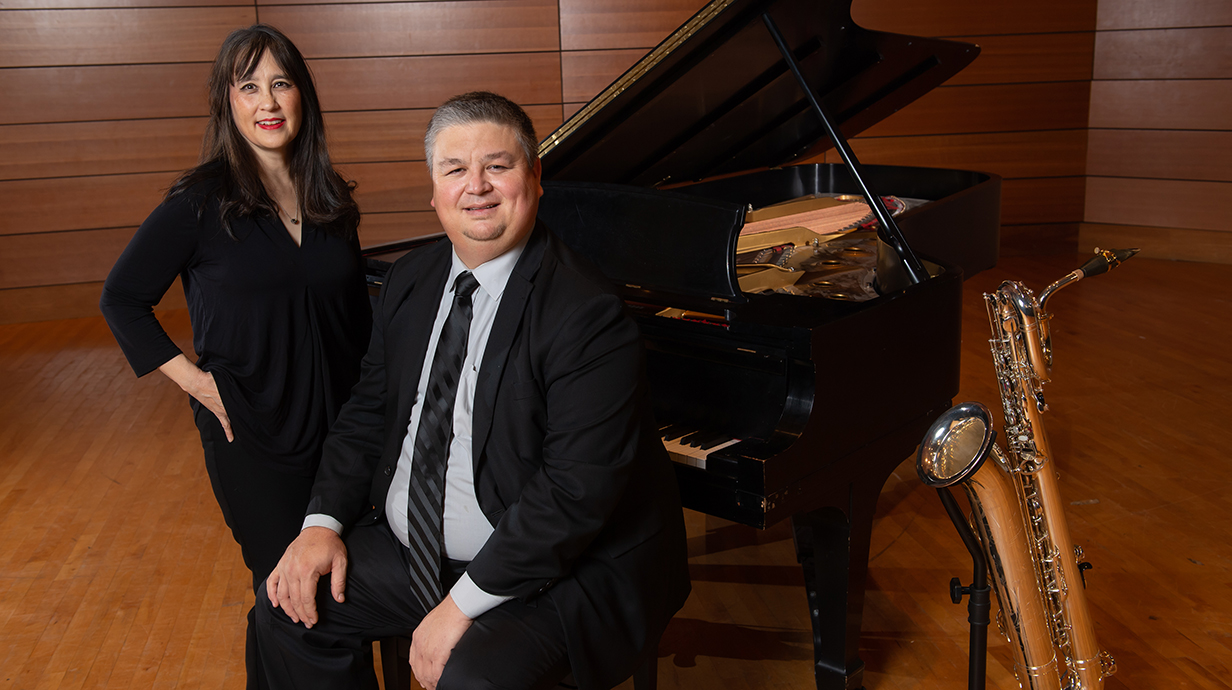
x,y
538,169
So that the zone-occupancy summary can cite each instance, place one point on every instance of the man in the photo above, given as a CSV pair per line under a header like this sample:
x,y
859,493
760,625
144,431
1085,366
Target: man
x,y
563,540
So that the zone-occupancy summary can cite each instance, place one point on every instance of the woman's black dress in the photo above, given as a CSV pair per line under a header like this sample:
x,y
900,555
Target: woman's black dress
x,y
281,327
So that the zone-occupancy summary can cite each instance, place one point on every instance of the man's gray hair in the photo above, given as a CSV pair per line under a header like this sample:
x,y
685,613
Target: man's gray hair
x,y
482,106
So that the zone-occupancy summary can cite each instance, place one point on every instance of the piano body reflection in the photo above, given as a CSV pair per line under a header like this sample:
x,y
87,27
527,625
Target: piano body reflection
x,y
795,399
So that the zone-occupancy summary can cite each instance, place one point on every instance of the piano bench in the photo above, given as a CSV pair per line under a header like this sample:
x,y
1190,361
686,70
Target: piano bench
x,y
396,668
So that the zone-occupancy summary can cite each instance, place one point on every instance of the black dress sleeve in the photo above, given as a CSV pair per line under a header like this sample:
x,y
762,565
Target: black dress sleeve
x,y
160,250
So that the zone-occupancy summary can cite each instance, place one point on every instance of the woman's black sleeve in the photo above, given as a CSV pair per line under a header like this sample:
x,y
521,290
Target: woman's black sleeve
x,y
161,249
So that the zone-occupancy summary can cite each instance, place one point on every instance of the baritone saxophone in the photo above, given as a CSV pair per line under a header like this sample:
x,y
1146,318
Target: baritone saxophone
x,y
1016,509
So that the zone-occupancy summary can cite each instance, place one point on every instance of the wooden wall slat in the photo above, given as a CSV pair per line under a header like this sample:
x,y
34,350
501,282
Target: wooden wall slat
x,y
546,118
390,187
1029,58
1161,104
419,28
382,228
69,94
584,73
591,25
397,135
1175,244
1042,200
78,203
1028,240
376,135
1163,203
1201,53
991,108
1152,14
1010,155
273,3
55,258
106,4
71,149
1165,154
116,36
425,82
81,94
974,17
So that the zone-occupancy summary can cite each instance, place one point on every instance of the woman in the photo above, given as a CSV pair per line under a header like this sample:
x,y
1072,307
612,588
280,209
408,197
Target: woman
x,y
263,236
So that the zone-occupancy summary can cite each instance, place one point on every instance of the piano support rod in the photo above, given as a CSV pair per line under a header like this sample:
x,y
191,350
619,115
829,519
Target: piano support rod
x,y
889,231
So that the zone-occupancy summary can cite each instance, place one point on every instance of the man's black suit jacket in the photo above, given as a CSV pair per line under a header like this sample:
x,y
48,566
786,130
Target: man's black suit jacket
x,y
568,466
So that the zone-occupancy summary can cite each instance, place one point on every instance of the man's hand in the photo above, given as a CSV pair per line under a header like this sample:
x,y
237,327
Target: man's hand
x,y
315,552
433,641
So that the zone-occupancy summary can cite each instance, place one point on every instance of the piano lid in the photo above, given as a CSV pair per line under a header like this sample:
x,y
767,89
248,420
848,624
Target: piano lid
x,y
716,97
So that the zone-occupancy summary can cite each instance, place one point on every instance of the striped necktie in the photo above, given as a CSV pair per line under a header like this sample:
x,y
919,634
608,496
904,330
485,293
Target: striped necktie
x,y
426,498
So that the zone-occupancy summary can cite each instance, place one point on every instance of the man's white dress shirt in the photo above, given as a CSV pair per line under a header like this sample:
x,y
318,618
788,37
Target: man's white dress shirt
x,y
466,529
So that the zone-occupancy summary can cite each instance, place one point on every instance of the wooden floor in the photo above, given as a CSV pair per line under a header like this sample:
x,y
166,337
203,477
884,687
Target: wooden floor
x,y
116,569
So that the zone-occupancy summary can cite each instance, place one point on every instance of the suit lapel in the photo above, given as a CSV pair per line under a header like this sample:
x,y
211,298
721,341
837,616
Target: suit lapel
x,y
504,329
411,326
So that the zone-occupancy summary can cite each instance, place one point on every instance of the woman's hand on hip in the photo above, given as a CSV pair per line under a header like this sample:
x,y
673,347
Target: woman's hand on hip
x,y
200,385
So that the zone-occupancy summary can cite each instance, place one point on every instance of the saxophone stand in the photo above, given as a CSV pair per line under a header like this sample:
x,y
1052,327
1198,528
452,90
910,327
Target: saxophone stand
x,y
979,603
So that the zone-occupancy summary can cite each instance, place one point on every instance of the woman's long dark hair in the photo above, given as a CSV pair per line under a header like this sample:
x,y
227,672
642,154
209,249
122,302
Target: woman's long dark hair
x,y
227,157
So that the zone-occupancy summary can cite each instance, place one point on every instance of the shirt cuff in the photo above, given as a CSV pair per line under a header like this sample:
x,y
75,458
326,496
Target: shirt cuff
x,y
322,520
472,601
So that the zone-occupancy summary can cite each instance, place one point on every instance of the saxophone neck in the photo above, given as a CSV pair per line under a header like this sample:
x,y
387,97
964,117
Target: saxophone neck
x,y
1104,260
1067,280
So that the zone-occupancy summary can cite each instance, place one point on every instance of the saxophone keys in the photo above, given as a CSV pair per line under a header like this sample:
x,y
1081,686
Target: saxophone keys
x,y
1107,664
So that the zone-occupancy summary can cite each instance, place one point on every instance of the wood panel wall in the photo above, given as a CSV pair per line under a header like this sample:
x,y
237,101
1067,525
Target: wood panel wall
x,y
1019,110
1160,149
103,104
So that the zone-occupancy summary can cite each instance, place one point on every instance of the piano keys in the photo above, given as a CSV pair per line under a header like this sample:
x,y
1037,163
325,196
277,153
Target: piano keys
x,y
692,447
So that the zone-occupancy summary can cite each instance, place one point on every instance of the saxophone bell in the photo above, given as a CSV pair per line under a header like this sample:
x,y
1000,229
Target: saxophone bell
x,y
955,452
956,446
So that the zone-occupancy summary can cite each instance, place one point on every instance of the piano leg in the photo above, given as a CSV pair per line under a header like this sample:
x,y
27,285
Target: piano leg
x,y
833,550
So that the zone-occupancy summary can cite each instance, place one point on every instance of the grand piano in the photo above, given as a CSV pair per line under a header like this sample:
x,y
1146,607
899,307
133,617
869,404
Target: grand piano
x,y
798,400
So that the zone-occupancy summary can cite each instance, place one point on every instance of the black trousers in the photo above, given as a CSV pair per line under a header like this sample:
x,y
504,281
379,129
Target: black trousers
x,y
264,508
515,645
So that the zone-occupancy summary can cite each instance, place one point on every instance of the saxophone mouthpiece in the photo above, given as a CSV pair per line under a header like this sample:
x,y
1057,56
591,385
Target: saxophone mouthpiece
x,y
1105,260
